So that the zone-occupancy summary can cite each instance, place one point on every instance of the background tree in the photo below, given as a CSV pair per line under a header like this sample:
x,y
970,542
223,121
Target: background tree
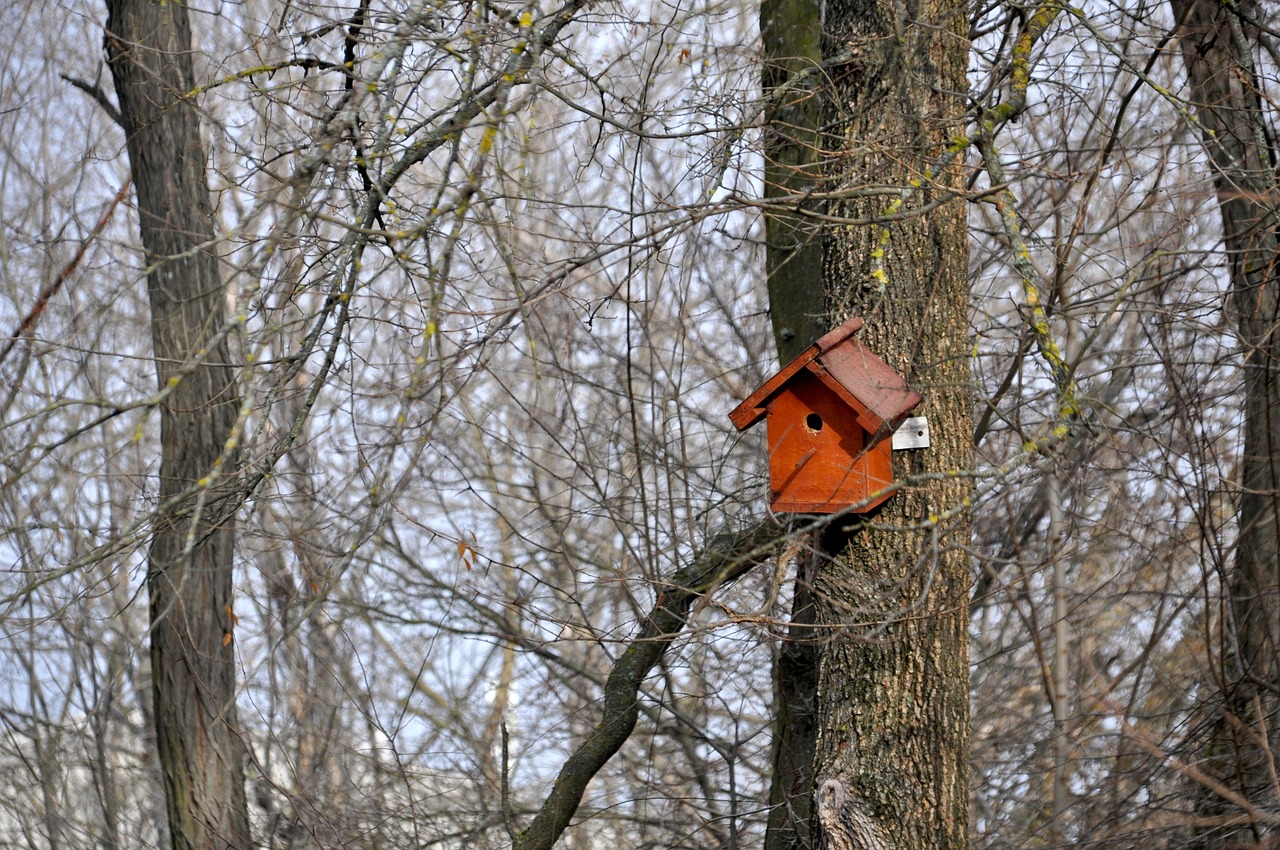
x,y
1217,48
189,574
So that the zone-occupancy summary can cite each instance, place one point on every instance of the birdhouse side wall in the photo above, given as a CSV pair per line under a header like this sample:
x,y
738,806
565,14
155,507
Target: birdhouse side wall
x,y
817,462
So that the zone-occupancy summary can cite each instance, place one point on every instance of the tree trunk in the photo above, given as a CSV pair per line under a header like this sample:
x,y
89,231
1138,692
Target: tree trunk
x,y
1216,47
892,757
793,83
190,573
885,690
794,87
795,682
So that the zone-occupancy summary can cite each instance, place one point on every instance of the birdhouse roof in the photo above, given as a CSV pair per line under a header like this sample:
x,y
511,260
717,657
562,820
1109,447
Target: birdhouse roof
x,y
879,397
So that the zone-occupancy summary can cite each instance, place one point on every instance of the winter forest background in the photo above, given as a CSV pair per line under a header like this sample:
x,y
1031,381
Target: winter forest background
x,y
490,277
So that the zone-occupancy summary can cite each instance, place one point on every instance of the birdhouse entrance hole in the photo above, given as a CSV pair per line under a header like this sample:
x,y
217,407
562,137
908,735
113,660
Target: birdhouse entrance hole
x,y
814,422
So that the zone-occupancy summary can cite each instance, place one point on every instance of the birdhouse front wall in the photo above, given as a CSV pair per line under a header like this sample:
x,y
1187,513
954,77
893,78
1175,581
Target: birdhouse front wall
x,y
818,462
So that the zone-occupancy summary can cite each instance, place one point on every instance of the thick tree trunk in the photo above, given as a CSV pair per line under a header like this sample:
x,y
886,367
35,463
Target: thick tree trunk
x,y
1216,48
891,762
885,688
190,574
873,720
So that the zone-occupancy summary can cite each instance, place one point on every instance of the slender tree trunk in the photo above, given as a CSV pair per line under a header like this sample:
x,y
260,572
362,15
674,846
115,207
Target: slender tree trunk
x,y
1061,666
793,82
1216,44
795,681
794,85
190,574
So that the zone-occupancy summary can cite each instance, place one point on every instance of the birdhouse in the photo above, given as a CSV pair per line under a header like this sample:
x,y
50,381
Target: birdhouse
x,y
830,415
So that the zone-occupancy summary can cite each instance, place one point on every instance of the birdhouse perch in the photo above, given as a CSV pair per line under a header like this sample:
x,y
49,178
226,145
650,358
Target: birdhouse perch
x,y
830,413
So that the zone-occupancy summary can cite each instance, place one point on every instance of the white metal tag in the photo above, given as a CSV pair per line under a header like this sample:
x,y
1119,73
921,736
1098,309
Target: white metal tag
x,y
913,433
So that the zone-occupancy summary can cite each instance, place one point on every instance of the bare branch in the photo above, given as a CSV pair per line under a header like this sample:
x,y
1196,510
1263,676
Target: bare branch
x,y
725,558
96,92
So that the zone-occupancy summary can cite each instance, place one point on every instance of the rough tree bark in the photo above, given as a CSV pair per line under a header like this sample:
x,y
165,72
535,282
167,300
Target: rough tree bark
x,y
893,746
1216,47
189,579
890,759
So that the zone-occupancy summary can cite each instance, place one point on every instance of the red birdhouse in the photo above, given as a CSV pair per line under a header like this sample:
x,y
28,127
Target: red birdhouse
x,y
830,413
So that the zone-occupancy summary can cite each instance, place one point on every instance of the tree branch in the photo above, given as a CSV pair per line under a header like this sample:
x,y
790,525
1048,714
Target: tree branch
x,y
725,558
95,91
28,323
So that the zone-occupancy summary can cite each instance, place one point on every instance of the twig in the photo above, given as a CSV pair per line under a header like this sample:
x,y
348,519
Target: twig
x,y
33,315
